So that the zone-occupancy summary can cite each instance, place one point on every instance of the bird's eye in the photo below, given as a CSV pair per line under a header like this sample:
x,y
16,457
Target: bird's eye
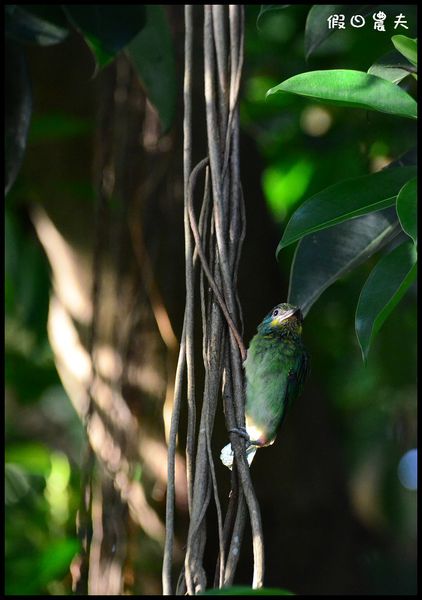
x,y
275,313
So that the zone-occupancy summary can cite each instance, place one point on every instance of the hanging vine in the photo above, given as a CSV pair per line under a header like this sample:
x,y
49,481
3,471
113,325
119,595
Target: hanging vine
x,y
213,245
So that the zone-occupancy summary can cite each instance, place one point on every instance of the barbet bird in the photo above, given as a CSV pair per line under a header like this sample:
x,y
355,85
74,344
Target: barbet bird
x,y
276,368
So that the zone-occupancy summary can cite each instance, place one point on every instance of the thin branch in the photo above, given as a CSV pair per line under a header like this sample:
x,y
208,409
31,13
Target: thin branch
x,y
233,554
217,503
204,262
189,306
168,546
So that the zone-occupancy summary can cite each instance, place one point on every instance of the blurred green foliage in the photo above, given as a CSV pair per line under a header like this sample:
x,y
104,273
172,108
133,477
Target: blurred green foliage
x,y
43,434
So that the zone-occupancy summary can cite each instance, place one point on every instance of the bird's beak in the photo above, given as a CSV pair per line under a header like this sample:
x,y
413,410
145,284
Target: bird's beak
x,y
286,315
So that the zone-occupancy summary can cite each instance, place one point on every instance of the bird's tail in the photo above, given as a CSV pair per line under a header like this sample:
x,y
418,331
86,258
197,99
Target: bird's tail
x,y
227,455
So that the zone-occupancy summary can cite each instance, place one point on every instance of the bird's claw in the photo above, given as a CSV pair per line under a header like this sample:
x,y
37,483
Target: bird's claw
x,y
241,431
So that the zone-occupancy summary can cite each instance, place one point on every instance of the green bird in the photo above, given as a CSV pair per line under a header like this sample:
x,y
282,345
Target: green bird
x,y
276,368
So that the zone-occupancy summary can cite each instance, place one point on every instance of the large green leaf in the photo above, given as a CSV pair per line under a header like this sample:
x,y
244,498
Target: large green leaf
x,y
407,208
40,24
18,107
107,29
243,590
407,47
152,54
392,67
346,200
316,28
346,87
326,255
382,291
322,257
265,8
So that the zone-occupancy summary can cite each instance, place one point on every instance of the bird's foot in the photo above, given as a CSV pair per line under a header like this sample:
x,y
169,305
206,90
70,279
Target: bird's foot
x,y
240,431
227,453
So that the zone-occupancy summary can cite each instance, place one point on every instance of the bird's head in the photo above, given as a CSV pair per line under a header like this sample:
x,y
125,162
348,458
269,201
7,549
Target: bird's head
x,y
283,319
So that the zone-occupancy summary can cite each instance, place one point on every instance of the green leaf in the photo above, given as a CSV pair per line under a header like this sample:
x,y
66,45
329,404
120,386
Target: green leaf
x,y
322,257
153,57
243,590
316,28
265,8
407,209
40,24
18,108
392,67
407,47
107,29
345,87
346,200
382,291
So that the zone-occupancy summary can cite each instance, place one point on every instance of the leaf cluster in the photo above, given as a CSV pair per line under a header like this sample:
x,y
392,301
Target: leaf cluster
x,y
141,31
346,223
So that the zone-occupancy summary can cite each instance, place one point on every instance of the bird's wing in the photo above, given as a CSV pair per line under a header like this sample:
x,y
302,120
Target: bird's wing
x,y
297,378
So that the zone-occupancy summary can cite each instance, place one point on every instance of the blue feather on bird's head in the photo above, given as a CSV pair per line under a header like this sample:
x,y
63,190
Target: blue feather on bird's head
x,y
283,320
